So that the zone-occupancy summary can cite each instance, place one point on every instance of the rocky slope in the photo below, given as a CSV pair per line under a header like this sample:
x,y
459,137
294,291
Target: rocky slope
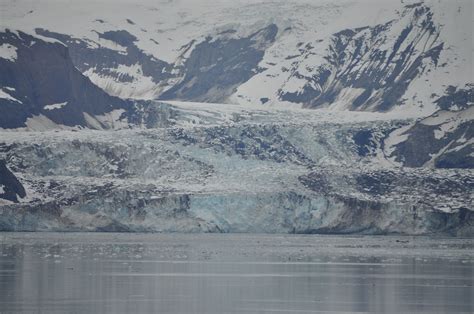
x,y
370,68
442,140
41,88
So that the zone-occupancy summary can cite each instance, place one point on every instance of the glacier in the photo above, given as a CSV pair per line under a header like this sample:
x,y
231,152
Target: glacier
x,y
227,168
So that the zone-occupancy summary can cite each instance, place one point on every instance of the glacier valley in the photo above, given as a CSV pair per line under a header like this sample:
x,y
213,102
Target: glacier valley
x,y
237,116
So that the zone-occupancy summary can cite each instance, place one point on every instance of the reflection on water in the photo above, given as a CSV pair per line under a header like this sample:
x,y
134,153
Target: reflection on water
x,y
133,273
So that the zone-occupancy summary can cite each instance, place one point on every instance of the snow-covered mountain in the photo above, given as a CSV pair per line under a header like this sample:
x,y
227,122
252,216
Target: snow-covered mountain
x,y
237,116
349,54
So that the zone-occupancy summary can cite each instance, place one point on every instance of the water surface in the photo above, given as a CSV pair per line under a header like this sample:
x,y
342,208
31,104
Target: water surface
x,y
210,273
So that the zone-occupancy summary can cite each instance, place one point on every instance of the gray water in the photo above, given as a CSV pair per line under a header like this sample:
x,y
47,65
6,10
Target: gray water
x,y
210,273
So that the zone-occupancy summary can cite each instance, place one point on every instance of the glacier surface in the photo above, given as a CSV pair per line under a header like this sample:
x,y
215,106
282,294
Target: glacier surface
x,y
228,168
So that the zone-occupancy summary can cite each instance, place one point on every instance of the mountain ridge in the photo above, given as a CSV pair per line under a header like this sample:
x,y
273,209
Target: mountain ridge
x,y
417,48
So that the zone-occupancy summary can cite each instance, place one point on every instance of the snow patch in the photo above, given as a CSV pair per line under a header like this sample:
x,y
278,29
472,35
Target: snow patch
x,y
105,43
448,121
445,128
396,137
141,87
40,123
110,120
442,117
4,95
55,106
8,52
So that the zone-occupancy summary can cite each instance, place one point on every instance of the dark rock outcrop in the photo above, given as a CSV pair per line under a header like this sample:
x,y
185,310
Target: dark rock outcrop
x,y
10,187
443,139
457,98
103,59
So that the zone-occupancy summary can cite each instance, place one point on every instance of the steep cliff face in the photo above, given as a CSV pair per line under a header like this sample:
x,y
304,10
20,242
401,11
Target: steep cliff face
x,y
41,88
